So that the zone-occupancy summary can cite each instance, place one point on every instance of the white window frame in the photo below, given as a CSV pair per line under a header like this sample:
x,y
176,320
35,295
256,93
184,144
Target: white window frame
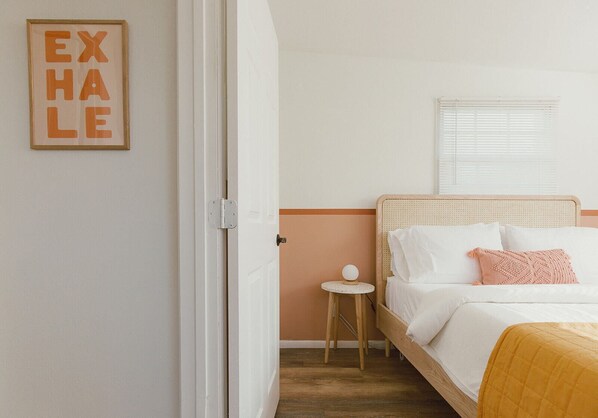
x,y
531,169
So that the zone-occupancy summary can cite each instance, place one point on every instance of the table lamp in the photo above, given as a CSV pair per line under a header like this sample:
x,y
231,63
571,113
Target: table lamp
x,y
350,274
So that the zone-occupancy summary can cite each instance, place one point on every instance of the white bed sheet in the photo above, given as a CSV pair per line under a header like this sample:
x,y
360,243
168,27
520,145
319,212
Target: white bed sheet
x,y
403,298
465,343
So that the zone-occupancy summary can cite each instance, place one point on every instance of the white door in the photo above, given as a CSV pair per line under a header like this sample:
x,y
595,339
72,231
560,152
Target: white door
x,y
253,298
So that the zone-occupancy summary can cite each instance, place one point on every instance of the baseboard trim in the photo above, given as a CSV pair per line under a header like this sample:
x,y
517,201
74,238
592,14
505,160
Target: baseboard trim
x,y
378,344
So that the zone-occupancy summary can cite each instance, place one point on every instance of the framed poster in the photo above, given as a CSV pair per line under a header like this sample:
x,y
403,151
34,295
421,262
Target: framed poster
x,y
78,84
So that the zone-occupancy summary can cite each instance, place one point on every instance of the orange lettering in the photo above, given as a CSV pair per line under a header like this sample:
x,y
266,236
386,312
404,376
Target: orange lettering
x,y
66,84
53,130
94,85
92,46
52,46
92,122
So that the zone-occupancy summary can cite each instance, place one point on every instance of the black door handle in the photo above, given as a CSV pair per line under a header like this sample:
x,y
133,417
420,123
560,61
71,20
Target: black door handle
x,y
280,240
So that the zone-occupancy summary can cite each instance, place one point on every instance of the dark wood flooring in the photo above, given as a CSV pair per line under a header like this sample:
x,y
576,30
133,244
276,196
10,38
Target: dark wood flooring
x,y
388,387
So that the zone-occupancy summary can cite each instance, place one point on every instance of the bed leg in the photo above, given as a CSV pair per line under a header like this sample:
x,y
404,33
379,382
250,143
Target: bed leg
x,y
401,356
387,347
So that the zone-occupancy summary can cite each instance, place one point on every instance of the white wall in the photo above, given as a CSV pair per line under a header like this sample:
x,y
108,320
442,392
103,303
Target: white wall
x,y
353,128
88,261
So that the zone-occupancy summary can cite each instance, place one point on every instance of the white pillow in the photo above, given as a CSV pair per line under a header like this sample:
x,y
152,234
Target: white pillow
x,y
438,254
503,236
398,264
581,244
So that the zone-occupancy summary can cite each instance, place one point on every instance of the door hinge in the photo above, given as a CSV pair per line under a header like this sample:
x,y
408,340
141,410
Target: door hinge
x,y
222,213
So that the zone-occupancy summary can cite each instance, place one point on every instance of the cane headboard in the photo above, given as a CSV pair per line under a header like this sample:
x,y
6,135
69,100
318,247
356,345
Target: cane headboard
x,y
402,211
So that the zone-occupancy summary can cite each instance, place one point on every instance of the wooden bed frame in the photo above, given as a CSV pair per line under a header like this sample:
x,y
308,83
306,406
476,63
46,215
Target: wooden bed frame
x,y
402,211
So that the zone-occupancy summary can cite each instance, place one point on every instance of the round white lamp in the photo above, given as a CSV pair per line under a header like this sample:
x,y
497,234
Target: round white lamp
x,y
350,274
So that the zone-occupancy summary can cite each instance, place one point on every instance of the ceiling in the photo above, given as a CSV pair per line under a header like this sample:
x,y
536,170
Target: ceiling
x,y
538,34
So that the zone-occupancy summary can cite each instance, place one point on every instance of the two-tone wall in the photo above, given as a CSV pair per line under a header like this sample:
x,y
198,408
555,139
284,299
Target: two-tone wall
x,y
353,128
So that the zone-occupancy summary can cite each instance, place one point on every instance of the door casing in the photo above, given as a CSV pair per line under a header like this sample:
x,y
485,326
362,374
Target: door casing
x,y
201,172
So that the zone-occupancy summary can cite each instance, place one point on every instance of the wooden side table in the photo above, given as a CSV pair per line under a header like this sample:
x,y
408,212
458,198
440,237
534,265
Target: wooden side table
x,y
358,290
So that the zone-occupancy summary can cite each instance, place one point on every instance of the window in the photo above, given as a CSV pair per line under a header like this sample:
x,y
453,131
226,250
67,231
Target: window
x,y
499,146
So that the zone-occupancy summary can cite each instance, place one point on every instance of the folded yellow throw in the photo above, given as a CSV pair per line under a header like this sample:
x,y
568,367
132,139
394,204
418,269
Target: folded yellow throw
x,y
542,370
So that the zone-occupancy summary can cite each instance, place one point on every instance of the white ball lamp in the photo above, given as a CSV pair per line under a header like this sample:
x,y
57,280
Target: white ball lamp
x,y
350,274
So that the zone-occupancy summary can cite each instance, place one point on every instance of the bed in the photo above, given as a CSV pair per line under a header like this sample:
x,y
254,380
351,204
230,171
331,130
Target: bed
x,y
452,359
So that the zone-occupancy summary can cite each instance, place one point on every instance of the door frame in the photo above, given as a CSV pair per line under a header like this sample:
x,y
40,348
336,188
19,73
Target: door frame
x,y
201,178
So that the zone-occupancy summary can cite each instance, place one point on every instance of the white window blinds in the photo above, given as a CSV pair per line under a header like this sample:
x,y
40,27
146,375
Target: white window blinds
x,y
497,146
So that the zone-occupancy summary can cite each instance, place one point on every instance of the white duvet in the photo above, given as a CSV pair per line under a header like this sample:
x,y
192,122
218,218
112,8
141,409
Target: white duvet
x,y
437,307
460,326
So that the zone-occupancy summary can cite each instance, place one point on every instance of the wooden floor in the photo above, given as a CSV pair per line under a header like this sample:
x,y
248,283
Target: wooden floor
x,y
388,387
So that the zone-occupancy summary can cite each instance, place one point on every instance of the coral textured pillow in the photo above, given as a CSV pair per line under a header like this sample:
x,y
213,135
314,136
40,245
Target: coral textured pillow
x,y
529,267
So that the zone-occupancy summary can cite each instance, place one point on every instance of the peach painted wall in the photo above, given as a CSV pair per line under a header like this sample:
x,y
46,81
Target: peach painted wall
x,y
589,218
319,245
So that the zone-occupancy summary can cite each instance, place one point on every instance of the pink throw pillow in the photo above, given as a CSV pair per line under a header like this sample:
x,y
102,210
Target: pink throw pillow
x,y
529,267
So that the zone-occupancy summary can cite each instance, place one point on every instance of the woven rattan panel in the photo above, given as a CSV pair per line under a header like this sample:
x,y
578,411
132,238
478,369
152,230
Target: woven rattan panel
x,y
403,211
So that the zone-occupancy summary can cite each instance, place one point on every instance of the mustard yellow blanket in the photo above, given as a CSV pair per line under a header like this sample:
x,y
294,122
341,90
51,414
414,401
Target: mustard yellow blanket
x,y
542,370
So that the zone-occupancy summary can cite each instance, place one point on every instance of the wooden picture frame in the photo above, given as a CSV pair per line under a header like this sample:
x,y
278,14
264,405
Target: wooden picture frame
x,y
78,84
